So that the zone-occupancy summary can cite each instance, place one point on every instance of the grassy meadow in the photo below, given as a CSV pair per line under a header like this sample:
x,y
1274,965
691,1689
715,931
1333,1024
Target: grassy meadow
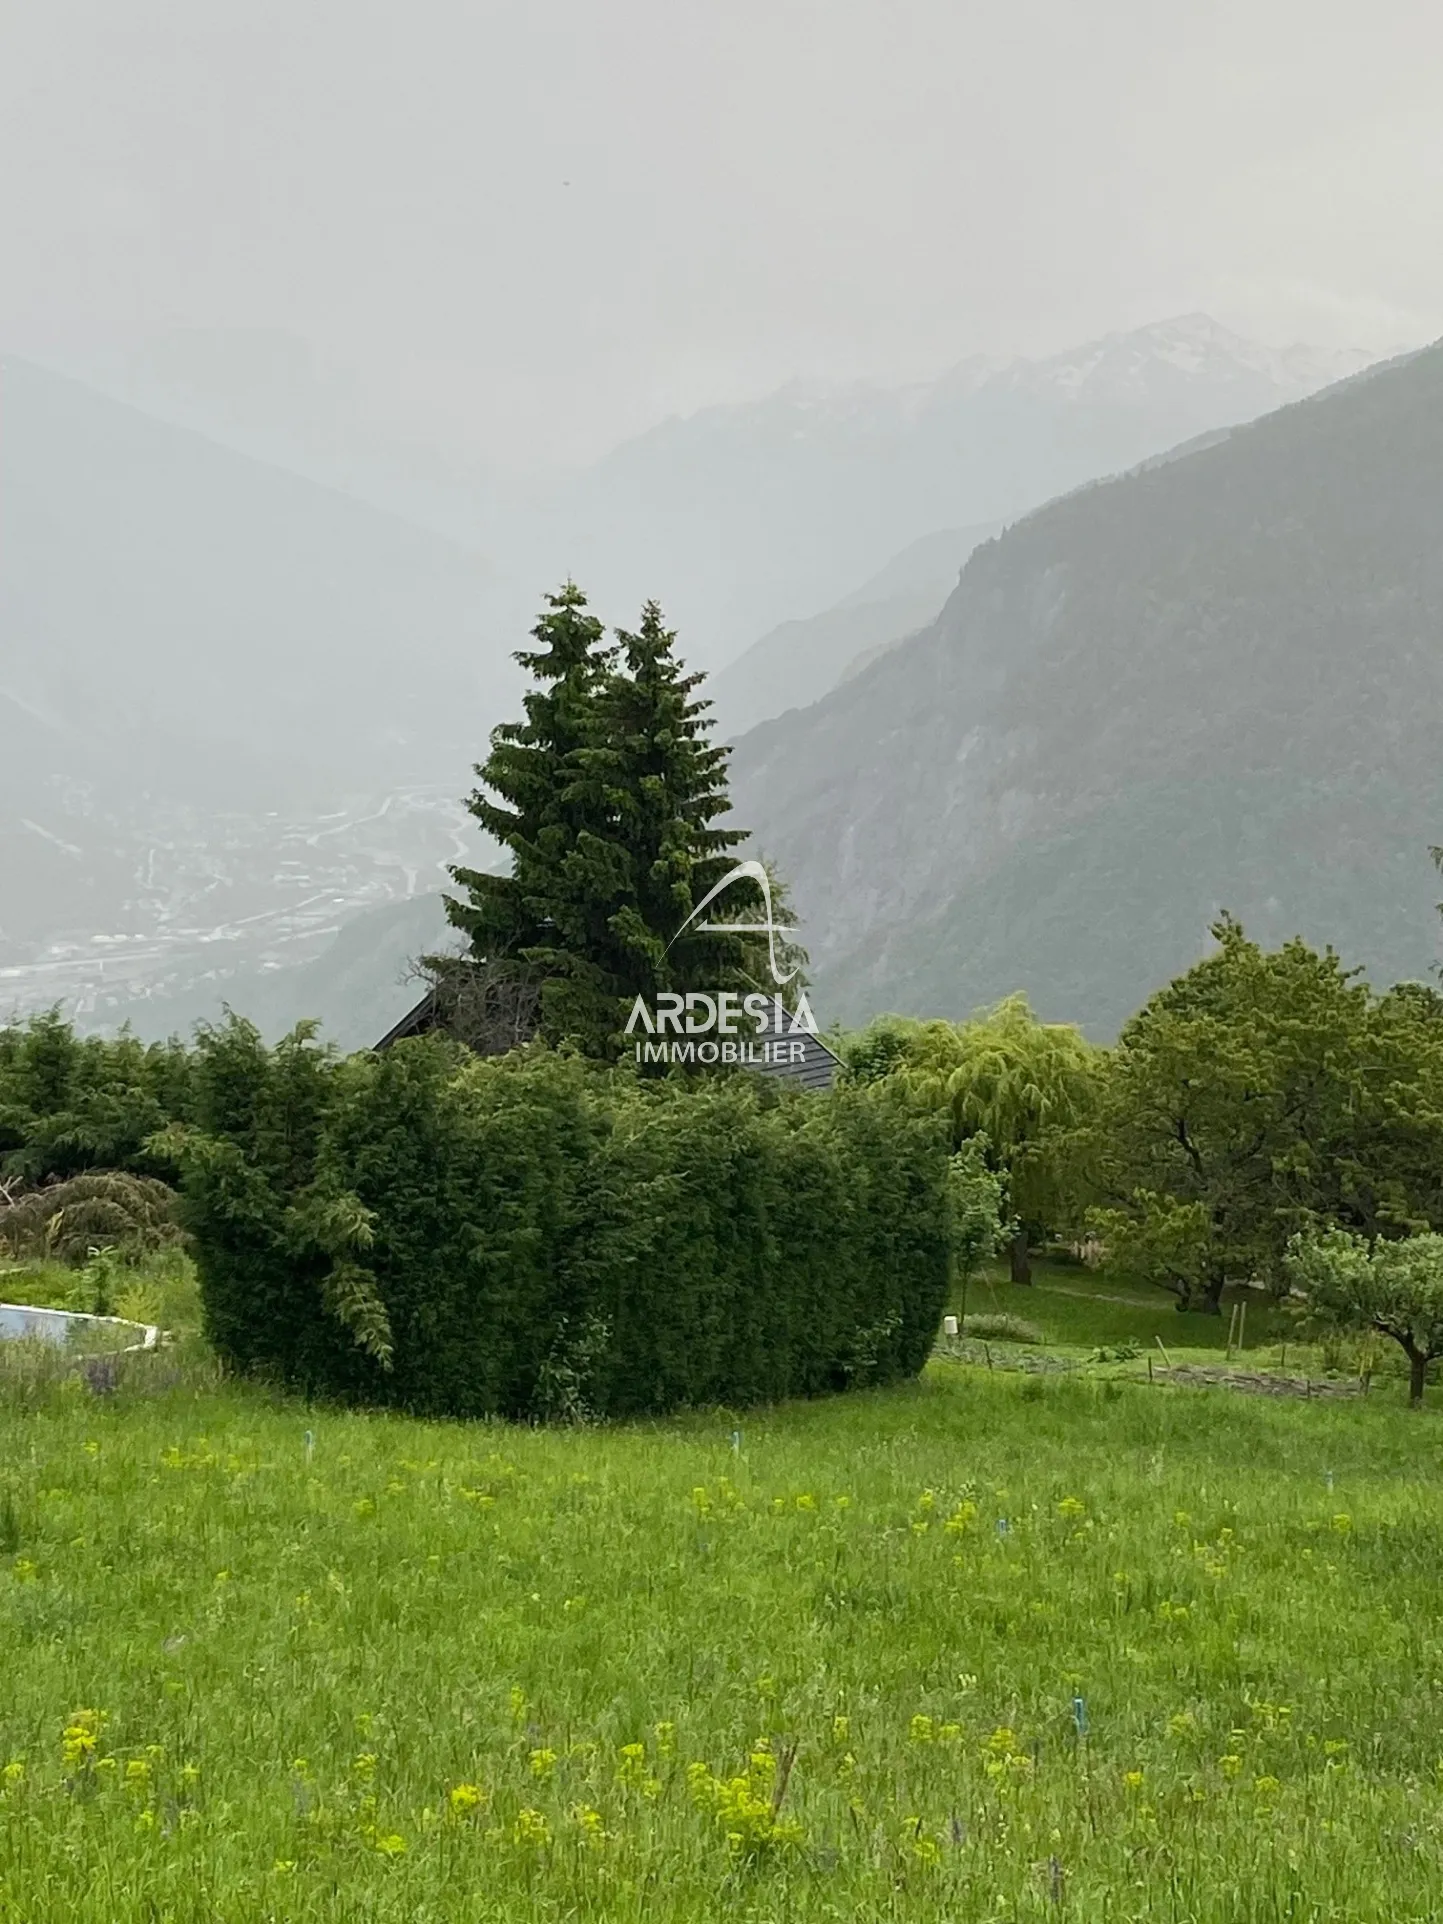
x,y
992,1646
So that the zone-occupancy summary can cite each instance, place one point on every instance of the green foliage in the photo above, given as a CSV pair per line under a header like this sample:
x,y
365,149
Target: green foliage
x,y
69,1104
668,786
1395,1288
1260,1094
533,1234
978,1197
107,1210
873,1053
1021,1085
1159,1240
607,799
542,798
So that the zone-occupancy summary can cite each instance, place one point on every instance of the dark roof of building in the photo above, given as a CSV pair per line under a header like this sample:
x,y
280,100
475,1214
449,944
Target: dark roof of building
x,y
418,1021
815,1068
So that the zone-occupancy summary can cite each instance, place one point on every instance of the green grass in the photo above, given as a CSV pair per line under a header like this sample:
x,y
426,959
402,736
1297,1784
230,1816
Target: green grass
x,y
290,1655
1081,1309
161,1291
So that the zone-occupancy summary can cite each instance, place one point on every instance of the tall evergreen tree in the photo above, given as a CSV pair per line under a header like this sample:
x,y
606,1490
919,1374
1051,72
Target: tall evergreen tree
x,y
542,799
610,798
669,786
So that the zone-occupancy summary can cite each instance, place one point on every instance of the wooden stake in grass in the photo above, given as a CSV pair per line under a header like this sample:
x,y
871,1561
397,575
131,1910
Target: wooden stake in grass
x,y
1242,1325
1167,1360
1232,1330
779,1789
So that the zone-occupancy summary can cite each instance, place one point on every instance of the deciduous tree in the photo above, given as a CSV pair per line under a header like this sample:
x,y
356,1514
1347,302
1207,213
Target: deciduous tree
x,y
1395,1288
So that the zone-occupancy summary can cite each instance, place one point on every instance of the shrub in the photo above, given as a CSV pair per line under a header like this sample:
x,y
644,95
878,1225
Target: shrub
x,y
535,1235
70,1103
1002,1328
109,1209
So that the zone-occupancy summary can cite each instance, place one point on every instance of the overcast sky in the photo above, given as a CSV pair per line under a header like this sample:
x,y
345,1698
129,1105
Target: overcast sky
x,y
532,226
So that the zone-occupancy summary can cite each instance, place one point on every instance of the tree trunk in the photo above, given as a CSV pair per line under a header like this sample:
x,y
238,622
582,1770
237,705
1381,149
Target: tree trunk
x,y
1019,1258
1417,1375
1213,1295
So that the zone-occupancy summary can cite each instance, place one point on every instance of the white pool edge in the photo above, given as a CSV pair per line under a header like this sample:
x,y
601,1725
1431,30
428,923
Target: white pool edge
x,y
21,1320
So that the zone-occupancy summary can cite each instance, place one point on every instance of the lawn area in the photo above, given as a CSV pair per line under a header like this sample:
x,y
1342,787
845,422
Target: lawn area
x,y
1081,1309
984,1647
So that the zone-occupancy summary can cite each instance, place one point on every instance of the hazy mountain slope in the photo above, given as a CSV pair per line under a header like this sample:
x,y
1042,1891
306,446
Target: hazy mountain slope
x,y
235,706
158,589
796,663
357,986
742,517
1216,682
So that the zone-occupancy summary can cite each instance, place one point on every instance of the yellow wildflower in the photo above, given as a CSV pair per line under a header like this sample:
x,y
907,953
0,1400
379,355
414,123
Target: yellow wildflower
x,y
589,1823
80,1736
531,1829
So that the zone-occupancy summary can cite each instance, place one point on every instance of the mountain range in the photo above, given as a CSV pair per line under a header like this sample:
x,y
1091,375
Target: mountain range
x,y
740,518
239,703
1212,683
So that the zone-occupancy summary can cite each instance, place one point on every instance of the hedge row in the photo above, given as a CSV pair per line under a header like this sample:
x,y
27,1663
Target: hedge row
x,y
535,1236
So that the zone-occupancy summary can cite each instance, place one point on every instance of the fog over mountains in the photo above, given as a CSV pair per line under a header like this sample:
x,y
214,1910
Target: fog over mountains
x,y
1214,683
740,518
239,702
235,706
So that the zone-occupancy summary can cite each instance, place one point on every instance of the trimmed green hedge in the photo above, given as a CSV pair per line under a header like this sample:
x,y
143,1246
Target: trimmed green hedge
x,y
536,1236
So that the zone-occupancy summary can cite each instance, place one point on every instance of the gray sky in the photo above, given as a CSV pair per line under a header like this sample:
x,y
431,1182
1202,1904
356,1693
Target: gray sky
x,y
532,226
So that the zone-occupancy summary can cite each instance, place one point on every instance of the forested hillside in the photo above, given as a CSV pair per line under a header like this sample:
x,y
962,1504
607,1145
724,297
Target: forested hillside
x,y
1213,683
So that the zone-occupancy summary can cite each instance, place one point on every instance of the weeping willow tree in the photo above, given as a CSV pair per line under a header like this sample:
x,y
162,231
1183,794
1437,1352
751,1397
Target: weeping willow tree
x,y
1023,1085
